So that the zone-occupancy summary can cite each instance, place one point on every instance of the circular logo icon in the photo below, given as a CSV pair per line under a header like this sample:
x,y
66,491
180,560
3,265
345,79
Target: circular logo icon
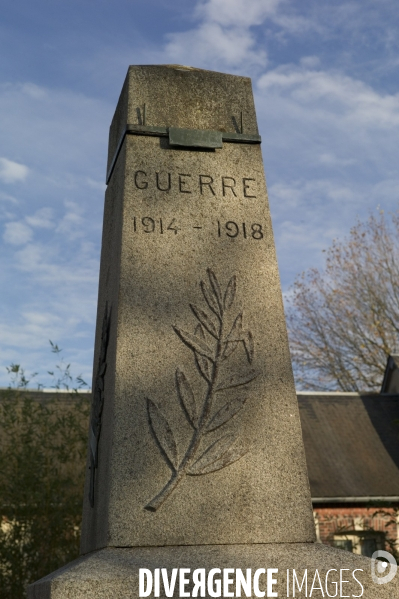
x,y
383,571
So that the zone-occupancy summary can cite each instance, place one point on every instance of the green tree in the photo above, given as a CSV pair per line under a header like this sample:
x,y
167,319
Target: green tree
x,y
343,321
43,446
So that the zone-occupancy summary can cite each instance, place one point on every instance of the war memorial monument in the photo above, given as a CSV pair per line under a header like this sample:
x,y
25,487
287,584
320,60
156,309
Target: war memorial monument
x,y
196,478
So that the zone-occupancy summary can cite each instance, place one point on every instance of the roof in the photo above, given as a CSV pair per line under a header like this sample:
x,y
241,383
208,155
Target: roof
x,y
390,383
351,444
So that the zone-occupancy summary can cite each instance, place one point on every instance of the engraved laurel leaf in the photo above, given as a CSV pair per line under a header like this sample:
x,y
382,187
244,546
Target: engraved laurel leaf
x,y
214,452
248,341
234,337
203,367
215,286
230,293
195,343
205,320
229,348
202,363
199,331
236,329
162,433
98,400
228,458
210,299
230,409
186,397
237,380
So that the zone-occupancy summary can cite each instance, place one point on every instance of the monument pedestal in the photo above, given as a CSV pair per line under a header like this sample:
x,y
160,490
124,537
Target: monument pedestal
x,y
113,573
196,457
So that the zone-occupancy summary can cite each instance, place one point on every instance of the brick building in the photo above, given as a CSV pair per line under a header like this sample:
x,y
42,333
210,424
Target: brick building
x,y
352,452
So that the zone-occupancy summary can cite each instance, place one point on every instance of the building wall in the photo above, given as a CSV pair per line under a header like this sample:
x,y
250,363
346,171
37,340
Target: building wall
x,y
358,529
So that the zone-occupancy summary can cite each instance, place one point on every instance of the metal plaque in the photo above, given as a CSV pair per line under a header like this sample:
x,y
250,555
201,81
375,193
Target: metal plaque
x,y
195,138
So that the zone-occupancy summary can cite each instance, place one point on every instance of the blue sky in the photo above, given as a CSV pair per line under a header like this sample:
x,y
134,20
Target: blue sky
x,y
325,78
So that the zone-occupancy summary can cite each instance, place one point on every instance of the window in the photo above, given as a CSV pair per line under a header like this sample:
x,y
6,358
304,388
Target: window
x,y
345,544
368,546
360,542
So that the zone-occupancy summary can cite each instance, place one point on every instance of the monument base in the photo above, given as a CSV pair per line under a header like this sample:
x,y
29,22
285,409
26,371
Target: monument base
x,y
113,573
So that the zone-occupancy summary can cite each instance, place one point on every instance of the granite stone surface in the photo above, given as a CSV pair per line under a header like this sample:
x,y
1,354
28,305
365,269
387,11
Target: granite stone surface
x,y
114,573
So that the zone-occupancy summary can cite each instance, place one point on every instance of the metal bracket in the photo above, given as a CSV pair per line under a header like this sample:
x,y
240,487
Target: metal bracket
x,y
185,138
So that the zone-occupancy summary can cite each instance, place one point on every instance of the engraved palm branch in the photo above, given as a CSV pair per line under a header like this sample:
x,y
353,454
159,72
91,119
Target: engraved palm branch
x,y
98,402
211,347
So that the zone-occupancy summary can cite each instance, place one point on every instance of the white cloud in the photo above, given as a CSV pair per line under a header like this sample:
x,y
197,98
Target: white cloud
x,y
72,223
224,36
8,198
296,24
214,45
234,13
306,195
96,184
38,322
17,233
310,62
25,339
329,159
333,92
43,219
30,126
34,91
48,267
56,299
386,190
11,171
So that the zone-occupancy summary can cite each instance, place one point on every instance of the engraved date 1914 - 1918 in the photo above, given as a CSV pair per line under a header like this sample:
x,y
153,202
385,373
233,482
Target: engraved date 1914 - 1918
x,y
217,335
229,228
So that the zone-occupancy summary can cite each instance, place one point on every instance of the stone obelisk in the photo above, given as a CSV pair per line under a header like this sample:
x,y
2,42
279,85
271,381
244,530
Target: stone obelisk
x,y
195,453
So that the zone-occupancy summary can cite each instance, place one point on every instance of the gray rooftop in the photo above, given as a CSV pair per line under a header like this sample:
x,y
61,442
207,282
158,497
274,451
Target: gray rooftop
x,y
351,444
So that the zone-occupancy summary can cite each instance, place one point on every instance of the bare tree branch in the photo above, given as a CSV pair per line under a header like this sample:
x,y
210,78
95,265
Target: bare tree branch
x,y
344,321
